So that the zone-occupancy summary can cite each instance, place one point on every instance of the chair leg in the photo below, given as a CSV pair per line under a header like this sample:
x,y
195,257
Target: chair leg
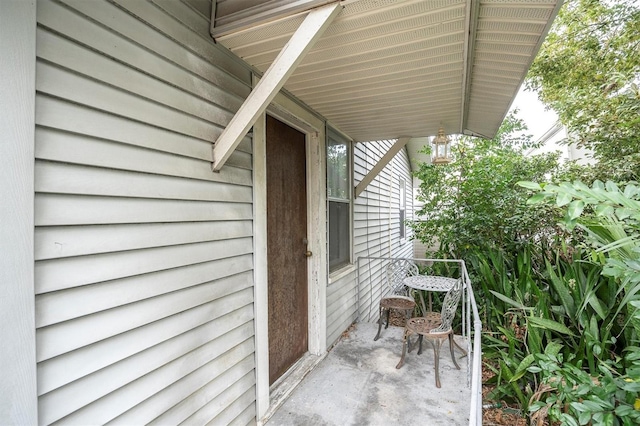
x,y
436,357
404,349
453,356
420,344
379,324
463,350
387,324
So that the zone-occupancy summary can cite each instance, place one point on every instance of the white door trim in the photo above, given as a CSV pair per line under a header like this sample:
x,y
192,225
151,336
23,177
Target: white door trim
x,y
18,388
292,113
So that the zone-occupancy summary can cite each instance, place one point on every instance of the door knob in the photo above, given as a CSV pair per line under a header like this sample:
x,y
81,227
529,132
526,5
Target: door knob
x,y
308,253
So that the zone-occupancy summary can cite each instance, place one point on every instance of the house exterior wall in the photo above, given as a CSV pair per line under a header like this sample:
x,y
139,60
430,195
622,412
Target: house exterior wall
x,y
143,274
143,258
376,233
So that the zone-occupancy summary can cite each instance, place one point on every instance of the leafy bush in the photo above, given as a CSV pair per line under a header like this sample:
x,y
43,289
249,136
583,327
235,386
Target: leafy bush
x,y
474,202
593,373
562,320
574,397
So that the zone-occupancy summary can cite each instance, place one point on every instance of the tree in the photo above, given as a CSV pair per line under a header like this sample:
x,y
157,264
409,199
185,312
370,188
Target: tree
x,y
474,202
588,71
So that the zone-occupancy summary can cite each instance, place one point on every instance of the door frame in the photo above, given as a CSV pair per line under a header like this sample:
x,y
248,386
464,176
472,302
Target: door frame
x,y
295,115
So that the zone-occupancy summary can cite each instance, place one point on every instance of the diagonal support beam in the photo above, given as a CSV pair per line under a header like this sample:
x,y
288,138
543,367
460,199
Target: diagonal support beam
x,y
386,158
311,29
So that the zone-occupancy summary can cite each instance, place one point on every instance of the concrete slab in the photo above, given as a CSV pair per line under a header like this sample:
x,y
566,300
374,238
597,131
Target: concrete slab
x,y
358,384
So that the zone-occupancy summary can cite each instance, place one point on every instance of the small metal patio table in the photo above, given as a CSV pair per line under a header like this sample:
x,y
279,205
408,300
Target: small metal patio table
x,y
429,283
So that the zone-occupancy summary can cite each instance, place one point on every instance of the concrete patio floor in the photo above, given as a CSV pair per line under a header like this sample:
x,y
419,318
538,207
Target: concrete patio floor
x,y
358,384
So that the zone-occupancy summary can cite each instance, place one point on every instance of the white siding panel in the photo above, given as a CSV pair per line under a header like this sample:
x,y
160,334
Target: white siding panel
x,y
209,400
60,146
226,73
172,28
376,234
344,312
150,375
66,241
61,83
220,372
202,6
56,113
68,55
189,17
247,417
55,372
144,256
340,291
55,210
61,178
85,300
234,400
60,338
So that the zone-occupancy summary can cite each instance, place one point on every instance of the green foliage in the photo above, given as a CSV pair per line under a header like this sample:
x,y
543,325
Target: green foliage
x,y
474,202
574,397
588,71
612,229
581,307
562,320
508,290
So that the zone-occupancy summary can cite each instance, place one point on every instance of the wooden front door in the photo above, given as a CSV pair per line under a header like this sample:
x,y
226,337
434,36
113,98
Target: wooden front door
x,y
286,233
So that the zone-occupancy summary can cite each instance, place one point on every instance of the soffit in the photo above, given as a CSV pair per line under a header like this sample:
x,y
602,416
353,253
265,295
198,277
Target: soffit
x,y
391,68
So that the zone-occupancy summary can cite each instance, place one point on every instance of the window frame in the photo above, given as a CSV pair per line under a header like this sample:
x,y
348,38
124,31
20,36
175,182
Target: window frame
x,y
348,262
402,208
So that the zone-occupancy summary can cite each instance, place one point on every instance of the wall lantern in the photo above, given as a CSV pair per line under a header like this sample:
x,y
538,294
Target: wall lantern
x,y
442,147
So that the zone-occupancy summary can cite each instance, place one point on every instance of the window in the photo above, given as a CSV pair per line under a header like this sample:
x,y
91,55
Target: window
x,y
339,196
403,207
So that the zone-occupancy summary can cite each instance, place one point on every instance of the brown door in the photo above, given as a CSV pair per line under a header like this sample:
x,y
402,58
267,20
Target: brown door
x,y
286,233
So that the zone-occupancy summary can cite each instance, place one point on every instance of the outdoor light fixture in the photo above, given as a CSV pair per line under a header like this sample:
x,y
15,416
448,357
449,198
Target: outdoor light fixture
x,y
442,145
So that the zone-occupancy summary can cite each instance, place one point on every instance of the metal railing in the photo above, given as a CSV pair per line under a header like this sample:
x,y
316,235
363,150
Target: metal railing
x,y
471,324
475,414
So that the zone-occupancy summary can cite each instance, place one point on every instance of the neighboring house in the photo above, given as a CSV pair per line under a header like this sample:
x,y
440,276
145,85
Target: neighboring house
x,y
178,230
553,140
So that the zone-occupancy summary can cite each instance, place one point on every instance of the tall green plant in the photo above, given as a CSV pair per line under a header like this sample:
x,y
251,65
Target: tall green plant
x,y
610,218
602,311
511,294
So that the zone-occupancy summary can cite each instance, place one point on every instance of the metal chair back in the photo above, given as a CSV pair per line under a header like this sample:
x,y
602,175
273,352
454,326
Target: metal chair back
x,y
397,271
449,307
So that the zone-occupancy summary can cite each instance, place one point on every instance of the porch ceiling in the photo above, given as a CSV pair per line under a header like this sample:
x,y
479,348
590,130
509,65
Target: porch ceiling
x,y
391,68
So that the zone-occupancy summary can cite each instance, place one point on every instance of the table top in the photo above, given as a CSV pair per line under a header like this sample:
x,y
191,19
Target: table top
x,y
430,282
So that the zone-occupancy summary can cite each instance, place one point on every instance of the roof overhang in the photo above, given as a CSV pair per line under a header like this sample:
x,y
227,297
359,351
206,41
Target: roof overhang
x,y
390,68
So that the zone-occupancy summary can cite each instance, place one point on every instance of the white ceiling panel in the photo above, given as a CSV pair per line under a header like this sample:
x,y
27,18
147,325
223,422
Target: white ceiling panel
x,y
391,68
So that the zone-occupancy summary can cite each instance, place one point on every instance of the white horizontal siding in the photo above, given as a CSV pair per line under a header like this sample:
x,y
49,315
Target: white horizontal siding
x,y
175,395
54,372
144,256
67,241
93,399
57,178
79,149
376,233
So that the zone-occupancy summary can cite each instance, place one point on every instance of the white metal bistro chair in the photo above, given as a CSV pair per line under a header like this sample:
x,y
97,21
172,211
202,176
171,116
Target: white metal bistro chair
x,y
398,294
435,328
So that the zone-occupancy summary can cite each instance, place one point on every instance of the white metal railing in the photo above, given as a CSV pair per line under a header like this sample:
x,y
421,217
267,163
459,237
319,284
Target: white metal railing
x,y
471,324
475,414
